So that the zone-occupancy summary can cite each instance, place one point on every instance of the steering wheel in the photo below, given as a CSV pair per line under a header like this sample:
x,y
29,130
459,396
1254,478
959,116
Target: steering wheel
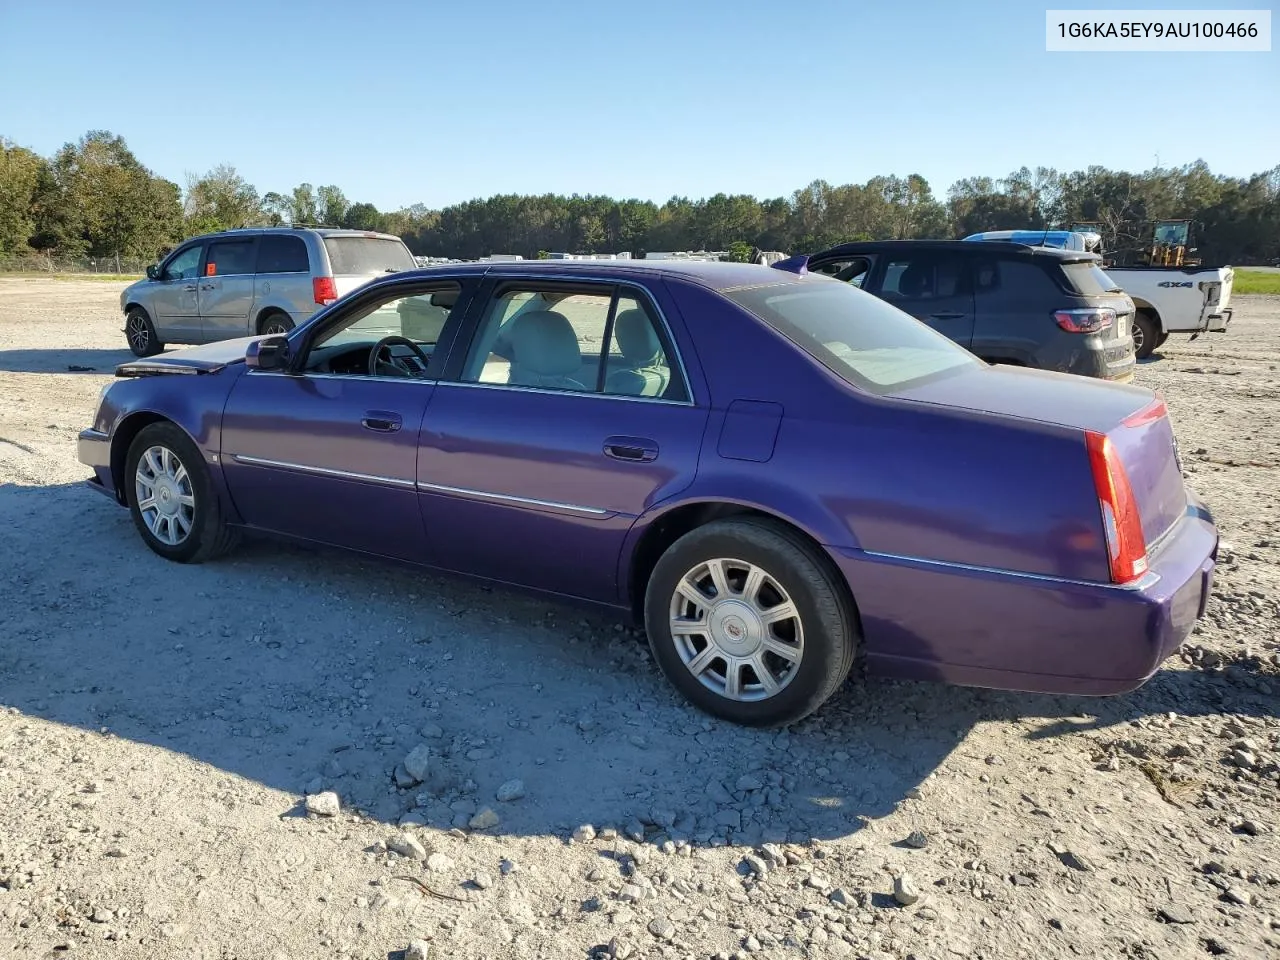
x,y
389,367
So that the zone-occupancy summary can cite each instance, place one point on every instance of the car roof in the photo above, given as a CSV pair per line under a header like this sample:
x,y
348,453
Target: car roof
x,y
714,274
973,247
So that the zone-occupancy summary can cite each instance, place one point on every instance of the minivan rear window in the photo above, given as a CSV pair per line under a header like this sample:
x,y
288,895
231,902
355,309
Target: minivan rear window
x,y
1088,279
362,255
860,338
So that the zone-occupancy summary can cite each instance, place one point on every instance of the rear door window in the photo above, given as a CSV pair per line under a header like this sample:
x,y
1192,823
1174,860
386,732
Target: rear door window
x,y
350,256
925,276
280,253
853,270
229,258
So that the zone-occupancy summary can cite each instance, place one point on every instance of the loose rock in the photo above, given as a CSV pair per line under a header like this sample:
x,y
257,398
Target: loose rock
x,y
407,845
486,819
417,950
511,790
905,890
324,804
417,762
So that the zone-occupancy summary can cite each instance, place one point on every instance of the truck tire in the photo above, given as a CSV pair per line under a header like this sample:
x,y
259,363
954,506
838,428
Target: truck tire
x,y
1146,334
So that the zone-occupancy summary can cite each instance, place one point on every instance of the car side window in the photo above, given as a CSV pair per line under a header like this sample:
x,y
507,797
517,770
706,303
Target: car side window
x,y
281,253
580,341
229,258
924,277
419,318
853,270
185,265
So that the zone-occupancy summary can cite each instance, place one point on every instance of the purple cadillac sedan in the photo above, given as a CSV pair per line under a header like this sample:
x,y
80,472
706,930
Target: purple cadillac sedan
x,y
776,472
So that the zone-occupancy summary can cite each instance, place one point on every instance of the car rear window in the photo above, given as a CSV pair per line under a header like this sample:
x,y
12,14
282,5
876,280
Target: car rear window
x,y
860,338
1088,279
361,255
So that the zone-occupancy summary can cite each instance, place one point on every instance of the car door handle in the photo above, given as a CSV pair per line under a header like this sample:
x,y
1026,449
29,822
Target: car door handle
x,y
191,287
381,422
947,316
634,449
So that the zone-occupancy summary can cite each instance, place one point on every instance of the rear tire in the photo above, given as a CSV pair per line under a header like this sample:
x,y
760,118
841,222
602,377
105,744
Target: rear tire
x,y
275,324
767,647
140,332
172,497
1146,334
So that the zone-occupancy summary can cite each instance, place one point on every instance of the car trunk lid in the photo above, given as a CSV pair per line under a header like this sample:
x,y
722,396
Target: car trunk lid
x,y
1133,418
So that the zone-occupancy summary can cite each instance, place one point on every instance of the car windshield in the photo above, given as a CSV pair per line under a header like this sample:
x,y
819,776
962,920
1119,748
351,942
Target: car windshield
x,y
1088,279
363,255
863,340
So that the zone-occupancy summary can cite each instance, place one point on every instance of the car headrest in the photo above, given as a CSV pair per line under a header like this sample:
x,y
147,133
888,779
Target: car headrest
x,y
636,338
544,342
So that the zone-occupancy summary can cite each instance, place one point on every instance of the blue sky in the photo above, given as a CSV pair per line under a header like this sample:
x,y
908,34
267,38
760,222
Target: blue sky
x,y
438,102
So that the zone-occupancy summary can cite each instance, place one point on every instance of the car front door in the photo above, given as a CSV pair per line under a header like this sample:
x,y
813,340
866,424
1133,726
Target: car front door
x,y
933,286
326,449
569,415
175,300
226,288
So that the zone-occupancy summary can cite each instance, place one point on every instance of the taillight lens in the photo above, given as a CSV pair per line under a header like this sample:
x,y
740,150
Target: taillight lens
x,y
1126,546
324,290
1085,319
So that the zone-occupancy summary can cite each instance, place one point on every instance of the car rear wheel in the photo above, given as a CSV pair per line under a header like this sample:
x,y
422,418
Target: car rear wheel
x,y
141,333
274,324
750,622
172,498
1146,334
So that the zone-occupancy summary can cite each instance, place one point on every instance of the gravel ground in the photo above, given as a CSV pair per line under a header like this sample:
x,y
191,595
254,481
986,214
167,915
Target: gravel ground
x,y
161,728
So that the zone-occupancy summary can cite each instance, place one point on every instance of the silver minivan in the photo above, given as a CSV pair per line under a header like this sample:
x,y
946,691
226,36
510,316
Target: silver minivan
x,y
255,281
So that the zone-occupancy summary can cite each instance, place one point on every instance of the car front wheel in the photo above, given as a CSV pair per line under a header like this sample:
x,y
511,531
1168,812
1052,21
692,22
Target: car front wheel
x,y
172,498
141,334
750,622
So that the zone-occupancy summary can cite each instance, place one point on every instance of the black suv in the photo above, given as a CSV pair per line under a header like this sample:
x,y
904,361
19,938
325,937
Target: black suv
x,y
1005,302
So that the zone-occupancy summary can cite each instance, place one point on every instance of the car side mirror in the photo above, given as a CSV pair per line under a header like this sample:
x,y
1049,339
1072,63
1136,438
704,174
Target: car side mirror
x,y
153,272
268,353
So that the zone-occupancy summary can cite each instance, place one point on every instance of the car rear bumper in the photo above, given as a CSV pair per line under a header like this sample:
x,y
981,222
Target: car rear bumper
x,y
93,449
990,628
1217,322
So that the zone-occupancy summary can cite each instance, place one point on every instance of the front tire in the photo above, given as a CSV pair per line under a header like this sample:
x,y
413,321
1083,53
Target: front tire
x,y
1146,334
140,332
172,498
750,622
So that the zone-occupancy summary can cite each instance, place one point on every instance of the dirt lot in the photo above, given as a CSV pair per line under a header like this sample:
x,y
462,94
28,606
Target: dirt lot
x,y
160,726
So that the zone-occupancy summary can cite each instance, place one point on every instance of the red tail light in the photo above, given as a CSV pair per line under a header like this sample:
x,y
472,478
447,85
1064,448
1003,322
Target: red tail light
x,y
324,290
1085,320
1126,546
1148,414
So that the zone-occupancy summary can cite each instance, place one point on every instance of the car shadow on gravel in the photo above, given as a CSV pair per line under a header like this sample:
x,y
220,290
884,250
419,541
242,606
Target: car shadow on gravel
x,y
63,360
307,669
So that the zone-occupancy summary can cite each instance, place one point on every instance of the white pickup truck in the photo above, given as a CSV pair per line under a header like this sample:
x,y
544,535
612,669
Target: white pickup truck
x,y
1169,300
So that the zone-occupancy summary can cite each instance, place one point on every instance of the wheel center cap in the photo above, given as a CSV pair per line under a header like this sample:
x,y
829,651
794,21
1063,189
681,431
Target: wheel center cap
x,y
166,499
736,628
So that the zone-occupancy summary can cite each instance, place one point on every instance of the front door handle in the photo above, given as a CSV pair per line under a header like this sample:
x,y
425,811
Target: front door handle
x,y
634,449
191,287
381,421
947,316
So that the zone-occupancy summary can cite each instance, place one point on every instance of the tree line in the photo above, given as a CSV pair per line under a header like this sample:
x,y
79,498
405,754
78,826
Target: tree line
x,y
95,198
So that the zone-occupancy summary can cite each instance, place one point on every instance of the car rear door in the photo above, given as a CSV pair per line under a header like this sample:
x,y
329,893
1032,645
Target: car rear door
x,y
932,285
227,288
533,464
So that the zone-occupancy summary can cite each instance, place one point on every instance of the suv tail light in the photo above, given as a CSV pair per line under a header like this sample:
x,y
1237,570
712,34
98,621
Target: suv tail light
x,y
1126,546
324,290
1085,319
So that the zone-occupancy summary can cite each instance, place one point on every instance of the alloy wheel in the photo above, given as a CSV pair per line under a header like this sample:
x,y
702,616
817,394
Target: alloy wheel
x,y
138,335
736,629
166,500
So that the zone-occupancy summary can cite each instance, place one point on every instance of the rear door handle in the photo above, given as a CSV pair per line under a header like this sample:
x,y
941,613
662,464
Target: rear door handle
x,y
947,316
634,449
190,287
381,421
